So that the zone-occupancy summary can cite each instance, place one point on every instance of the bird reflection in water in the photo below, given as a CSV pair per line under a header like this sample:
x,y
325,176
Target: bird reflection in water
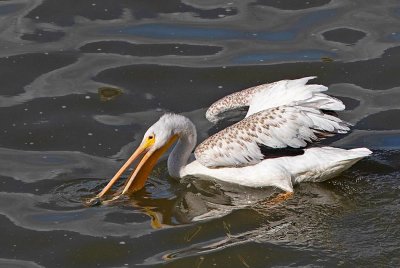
x,y
168,202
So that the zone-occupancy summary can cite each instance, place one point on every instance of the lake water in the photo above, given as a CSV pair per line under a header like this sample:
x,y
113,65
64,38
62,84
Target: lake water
x,y
80,82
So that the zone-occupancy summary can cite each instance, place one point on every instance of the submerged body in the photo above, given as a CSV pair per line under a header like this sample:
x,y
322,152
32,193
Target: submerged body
x,y
281,115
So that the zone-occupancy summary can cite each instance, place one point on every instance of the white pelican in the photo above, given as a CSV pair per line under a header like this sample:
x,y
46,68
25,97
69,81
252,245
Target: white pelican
x,y
285,114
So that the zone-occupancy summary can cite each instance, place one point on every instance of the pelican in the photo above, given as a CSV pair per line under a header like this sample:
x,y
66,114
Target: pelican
x,y
271,146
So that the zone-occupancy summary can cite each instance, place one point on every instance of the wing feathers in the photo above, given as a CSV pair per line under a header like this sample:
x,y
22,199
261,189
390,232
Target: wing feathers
x,y
294,92
284,92
278,127
287,113
233,101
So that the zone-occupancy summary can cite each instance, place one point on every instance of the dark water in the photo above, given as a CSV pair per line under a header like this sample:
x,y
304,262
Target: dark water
x,y
64,132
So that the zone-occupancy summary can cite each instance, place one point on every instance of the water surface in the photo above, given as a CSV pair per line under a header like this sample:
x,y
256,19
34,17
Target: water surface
x,y
82,80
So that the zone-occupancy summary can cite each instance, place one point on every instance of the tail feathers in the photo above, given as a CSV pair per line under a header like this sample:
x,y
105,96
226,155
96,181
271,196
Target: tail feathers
x,y
352,157
323,163
361,152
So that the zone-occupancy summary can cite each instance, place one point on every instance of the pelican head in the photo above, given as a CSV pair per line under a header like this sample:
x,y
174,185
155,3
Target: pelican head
x,y
156,141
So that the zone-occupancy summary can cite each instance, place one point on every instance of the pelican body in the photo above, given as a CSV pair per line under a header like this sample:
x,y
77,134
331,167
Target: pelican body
x,y
288,114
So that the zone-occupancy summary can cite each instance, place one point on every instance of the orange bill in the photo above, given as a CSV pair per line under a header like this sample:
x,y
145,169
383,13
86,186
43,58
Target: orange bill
x,y
117,175
139,176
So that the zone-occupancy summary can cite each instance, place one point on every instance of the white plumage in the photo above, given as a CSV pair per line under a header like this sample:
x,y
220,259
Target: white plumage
x,y
284,114
293,93
315,165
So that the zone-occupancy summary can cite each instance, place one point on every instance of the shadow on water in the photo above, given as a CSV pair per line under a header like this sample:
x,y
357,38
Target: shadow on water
x,y
81,82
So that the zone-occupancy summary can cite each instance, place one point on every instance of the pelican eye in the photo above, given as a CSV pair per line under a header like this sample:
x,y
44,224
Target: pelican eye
x,y
150,140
